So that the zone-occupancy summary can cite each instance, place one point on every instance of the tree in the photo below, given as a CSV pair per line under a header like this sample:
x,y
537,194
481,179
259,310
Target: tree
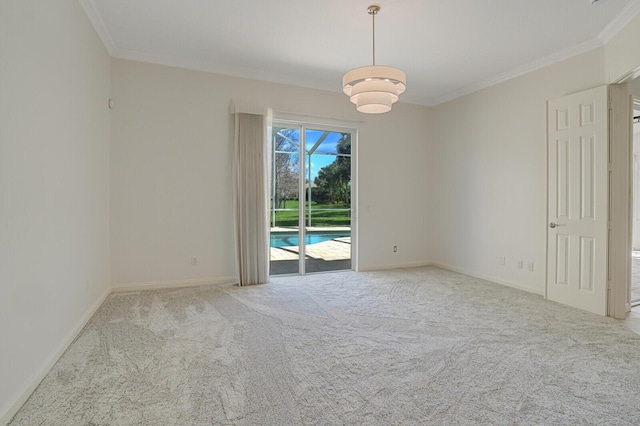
x,y
335,178
286,166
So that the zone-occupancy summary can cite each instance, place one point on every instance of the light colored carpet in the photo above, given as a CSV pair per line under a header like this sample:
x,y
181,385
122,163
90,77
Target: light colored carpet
x,y
415,346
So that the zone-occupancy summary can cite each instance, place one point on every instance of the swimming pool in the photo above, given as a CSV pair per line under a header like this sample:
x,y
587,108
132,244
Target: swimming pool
x,y
286,239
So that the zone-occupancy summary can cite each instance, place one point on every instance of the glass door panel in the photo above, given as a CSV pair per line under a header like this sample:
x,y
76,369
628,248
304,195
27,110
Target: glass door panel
x,y
328,200
310,200
285,196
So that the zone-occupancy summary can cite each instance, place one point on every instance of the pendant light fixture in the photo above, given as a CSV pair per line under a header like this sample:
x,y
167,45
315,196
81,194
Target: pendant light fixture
x,y
374,88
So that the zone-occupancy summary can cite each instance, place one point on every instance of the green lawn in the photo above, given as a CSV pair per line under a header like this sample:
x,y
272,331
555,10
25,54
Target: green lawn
x,y
321,215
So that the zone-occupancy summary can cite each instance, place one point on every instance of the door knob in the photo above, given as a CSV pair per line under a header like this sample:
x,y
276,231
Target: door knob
x,y
553,225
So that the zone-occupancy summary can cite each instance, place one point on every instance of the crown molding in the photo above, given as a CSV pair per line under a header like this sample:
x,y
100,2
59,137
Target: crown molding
x,y
622,19
519,71
170,61
95,17
214,68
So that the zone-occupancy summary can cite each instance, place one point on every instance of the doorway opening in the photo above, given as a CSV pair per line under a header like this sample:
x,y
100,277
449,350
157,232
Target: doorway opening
x,y
311,192
634,291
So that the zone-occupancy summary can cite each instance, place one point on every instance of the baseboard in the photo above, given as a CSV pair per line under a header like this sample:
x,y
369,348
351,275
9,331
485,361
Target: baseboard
x,y
396,266
487,278
453,269
159,285
12,408
8,412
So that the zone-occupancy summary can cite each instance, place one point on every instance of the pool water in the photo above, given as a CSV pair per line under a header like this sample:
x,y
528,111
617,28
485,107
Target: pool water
x,y
286,239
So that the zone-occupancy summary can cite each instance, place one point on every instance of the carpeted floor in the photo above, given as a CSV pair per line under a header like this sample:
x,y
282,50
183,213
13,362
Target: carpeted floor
x,y
413,346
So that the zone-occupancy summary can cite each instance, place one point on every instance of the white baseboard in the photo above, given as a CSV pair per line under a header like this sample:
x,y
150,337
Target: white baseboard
x,y
8,412
21,397
159,285
387,267
487,278
23,394
454,269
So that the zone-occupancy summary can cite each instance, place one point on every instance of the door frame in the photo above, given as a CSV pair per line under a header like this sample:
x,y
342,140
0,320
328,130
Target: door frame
x,y
621,205
632,201
620,200
320,124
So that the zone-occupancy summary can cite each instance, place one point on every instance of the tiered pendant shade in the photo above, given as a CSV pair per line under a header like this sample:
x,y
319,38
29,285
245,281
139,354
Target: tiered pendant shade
x,y
374,89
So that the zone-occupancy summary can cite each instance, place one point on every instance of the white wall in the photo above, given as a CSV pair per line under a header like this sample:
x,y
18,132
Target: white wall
x,y
54,180
488,170
622,52
488,164
171,151
462,184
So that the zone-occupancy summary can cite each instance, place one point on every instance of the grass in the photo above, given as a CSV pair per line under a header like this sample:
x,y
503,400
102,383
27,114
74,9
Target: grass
x,y
321,215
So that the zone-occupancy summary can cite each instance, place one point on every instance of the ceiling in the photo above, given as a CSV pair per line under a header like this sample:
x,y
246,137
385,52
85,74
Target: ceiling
x,y
447,48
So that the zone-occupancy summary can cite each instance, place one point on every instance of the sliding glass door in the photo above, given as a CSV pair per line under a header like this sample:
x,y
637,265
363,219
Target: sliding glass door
x,y
310,199
285,200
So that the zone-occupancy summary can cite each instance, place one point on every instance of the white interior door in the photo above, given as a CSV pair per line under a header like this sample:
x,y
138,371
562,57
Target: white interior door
x,y
577,200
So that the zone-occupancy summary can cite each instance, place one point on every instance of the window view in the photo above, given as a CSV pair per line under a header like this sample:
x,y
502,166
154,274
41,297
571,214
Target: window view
x,y
310,200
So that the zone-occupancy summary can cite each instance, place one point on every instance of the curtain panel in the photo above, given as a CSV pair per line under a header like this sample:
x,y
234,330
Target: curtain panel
x,y
251,198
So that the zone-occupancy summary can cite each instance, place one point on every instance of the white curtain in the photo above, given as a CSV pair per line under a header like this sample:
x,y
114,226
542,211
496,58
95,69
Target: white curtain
x,y
251,198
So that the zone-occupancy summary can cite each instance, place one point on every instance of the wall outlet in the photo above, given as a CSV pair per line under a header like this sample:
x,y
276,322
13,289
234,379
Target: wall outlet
x,y
520,264
395,249
530,267
194,261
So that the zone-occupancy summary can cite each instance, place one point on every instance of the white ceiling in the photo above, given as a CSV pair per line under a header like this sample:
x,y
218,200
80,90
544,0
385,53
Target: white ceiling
x,y
447,48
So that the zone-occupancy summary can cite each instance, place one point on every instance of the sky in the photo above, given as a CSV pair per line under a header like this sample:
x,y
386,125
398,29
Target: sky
x,y
327,146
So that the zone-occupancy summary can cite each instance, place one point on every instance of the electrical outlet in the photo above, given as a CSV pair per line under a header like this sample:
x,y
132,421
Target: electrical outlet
x,y
530,266
520,264
194,261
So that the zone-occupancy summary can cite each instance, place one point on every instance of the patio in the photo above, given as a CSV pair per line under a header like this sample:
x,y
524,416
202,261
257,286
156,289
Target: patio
x,y
332,255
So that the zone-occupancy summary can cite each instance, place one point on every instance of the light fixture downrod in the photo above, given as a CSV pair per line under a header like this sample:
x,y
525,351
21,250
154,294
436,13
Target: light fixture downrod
x,y
374,89
373,11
